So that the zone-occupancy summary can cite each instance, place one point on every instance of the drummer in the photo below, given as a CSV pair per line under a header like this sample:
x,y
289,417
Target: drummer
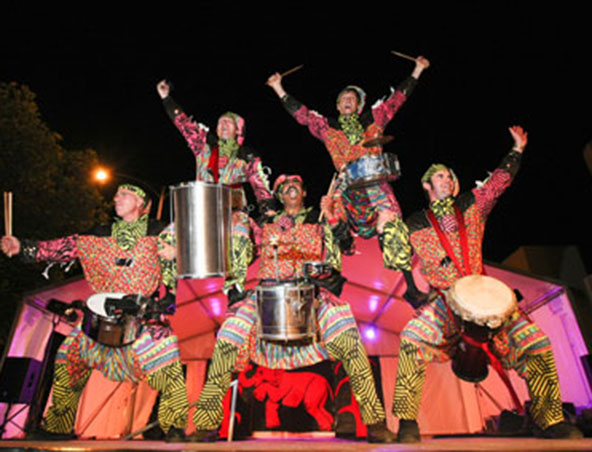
x,y
292,237
131,256
371,210
221,157
449,247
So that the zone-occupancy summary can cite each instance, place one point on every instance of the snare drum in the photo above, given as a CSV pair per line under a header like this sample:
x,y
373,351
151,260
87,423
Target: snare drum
x,y
286,311
482,304
372,169
111,330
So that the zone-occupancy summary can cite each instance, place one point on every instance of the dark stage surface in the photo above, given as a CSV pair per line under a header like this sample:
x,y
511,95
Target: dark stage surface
x,y
312,445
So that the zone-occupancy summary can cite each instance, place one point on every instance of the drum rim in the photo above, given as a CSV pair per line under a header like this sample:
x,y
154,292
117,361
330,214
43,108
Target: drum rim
x,y
194,183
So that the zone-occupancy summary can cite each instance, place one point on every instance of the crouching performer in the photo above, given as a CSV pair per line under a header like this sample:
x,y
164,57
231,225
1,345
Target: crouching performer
x,y
290,239
125,257
447,237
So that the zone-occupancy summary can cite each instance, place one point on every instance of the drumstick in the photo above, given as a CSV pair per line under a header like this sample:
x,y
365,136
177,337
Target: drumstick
x,y
329,192
8,213
290,71
402,55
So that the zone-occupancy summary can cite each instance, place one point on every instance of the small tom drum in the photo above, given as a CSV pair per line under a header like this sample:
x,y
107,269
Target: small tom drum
x,y
482,304
286,311
111,330
372,169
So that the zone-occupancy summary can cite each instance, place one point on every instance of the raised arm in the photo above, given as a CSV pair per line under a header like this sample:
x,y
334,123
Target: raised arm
x,y
487,195
383,111
316,123
194,133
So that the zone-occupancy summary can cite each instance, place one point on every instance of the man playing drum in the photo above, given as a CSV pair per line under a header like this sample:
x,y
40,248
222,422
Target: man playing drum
x,y
221,157
372,209
130,257
290,239
447,237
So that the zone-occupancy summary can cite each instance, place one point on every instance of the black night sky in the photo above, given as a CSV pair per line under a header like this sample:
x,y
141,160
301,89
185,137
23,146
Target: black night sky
x,y
94,67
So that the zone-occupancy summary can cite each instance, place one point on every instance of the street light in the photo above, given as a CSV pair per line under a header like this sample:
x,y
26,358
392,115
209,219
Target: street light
x,y
102,175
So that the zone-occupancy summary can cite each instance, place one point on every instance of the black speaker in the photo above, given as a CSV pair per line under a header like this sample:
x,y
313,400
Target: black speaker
x,y
18,380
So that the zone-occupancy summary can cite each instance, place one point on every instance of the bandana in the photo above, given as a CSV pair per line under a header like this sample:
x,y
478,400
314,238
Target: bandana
x,y
283,178
427,176
127,233
228,148
359,91
240,126
134,189
351,126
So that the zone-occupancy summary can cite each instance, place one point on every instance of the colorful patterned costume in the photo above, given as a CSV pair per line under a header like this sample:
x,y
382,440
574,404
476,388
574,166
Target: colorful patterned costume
x,y
361,207
299,239
234,168
433,334
114,262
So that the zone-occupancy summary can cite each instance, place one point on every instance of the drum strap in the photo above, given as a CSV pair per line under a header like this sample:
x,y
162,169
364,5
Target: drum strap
x,y
213,163
463,268
493,359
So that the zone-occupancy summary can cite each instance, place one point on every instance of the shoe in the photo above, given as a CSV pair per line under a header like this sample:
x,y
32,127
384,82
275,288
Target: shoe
x,y
408,431
154,434
562,430
44,435
203,436
175,435
379,433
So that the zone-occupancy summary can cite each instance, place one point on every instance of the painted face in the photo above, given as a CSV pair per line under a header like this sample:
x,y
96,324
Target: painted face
x,y
292,192
128,205
226,128
348,103
441,185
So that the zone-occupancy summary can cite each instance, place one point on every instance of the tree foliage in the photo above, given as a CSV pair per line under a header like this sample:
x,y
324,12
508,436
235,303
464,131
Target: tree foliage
x,y
52,190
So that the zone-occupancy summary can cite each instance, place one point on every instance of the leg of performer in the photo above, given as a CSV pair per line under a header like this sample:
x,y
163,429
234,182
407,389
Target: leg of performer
x,y
528,350
69,378
428,337
241,257
232,338
343,342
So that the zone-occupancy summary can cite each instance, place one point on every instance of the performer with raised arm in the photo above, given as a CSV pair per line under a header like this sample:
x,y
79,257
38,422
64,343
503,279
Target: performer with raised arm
x,y
371,209
290,239
447,236
221,157
130,256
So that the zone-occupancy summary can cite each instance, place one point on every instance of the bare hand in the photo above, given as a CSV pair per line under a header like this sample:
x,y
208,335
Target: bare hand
x,y
520,137
163,88
166,251
275,82
327,207
11,246
423,62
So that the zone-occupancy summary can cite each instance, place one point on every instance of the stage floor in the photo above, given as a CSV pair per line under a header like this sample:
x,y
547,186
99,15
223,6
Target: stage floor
x,y
311,445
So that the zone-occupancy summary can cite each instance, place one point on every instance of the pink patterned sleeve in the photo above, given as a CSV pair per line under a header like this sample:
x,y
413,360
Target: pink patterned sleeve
x,y
258,180
58,250
316,123
195,134
384,111
487,195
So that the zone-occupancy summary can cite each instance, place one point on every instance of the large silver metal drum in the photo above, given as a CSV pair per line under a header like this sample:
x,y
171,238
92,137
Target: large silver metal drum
x,y
286,311
202,216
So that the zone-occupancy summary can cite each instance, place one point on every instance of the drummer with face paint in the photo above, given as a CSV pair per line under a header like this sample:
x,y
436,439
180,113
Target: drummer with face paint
x,y
350,139
291,238
128,256
222,157
447,237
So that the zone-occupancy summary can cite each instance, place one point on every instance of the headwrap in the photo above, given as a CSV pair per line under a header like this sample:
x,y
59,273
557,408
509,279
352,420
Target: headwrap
x,y
360,93
283,178
427,176
135,190
240,126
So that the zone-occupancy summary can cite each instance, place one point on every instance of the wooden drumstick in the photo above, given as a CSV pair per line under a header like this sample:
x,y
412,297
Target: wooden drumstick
x,y
8,213
402,55
290,71
329,193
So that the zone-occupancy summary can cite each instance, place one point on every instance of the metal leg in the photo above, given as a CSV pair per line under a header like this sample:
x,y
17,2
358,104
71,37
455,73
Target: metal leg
x,y
234,386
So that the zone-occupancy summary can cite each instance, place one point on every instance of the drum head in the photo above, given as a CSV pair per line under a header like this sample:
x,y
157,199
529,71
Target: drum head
x,y
482,300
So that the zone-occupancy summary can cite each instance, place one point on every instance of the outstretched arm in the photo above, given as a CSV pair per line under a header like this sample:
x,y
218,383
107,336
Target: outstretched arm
x,y
317,124
487,195
58,250
194,133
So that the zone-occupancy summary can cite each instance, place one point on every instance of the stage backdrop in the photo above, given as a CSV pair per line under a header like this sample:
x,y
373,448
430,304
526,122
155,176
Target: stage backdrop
x,y
108,410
